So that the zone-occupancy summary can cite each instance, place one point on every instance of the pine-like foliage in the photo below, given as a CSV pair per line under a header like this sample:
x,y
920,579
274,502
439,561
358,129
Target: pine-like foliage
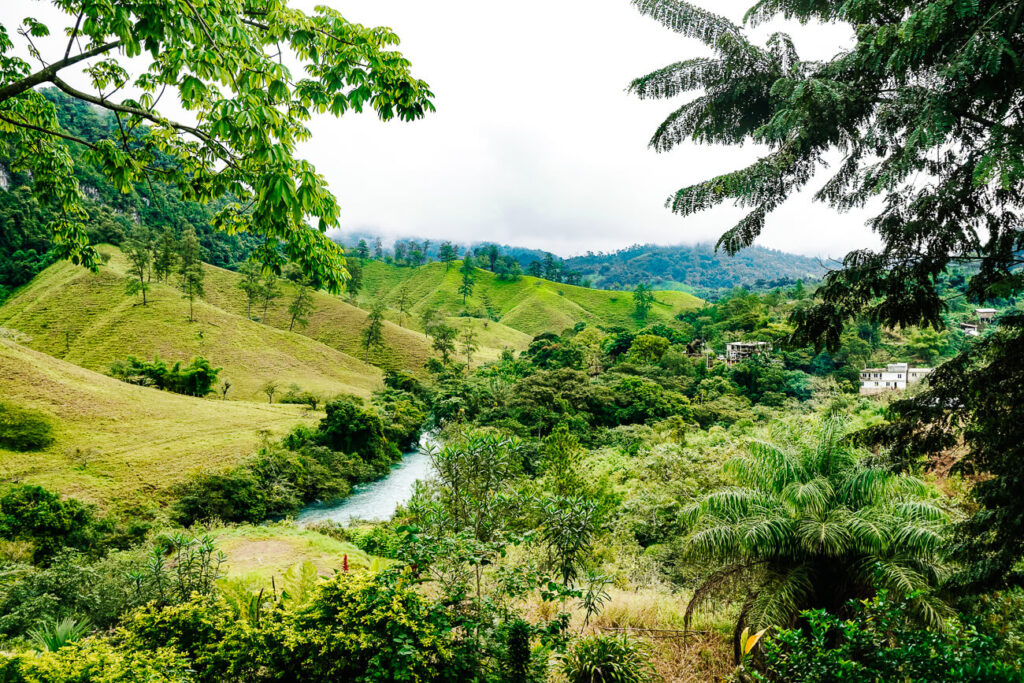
x,y
925,110
810,523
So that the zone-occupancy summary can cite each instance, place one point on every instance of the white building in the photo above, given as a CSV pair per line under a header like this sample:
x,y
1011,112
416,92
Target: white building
x,y
739,351
894,377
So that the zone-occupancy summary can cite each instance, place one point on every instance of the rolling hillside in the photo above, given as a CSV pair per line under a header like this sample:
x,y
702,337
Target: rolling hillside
x,y
529,306
87,319
118,443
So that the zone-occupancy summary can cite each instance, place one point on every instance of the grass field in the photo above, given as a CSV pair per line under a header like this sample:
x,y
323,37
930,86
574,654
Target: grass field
x,y
530,305
120,444
257,553
87,319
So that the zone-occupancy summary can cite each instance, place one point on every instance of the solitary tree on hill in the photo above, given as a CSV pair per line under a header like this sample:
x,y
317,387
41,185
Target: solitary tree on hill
x,y
270,388
363,250
269,291
355,279
302,305
378,249
448,254
136,250
643,299
208,53
469,345
190,270
444,341
466,286
166,255
403,302
250,284
372,336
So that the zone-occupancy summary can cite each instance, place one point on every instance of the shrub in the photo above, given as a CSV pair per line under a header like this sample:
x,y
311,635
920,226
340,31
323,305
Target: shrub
x,y
880,643
49,522
354,627
195,379
603,658
350,428
22,429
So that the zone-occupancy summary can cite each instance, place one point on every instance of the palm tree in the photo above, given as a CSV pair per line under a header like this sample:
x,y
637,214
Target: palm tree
x,y
812,524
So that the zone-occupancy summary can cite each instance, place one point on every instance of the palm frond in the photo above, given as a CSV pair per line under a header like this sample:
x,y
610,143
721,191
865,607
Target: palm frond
x,y
870,531
782,598
869,486
919,510
767,537
678,78
688,20
713,541
826,535
920,538
812,496
766,467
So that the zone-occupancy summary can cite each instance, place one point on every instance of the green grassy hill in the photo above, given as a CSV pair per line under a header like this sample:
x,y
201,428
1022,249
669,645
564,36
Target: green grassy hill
x,y
87,319
334,322
530,305
118,443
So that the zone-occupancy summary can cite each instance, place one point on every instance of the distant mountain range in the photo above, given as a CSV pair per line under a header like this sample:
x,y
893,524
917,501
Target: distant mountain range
x,y
696,268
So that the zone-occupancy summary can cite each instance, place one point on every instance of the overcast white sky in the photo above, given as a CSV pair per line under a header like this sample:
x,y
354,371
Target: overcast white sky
x,y
535,141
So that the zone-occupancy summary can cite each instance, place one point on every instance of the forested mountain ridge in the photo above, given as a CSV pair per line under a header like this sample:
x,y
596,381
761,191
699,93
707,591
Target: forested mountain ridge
x,y
698,267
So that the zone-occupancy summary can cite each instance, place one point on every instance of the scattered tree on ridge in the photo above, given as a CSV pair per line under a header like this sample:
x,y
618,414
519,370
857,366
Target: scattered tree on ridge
x,y
302,305
469,346
643,299
270,290
136,250
448,254
372,336
190,270
355,279
166,257
250,284
466,286
403,302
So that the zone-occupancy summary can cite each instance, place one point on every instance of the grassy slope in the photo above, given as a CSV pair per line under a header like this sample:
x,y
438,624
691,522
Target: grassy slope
x,y
333,322
529,306
104,324
120,443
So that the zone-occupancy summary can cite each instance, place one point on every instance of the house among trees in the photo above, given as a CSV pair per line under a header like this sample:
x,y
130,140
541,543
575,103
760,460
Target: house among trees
x,y
740,351
894,377
985,317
